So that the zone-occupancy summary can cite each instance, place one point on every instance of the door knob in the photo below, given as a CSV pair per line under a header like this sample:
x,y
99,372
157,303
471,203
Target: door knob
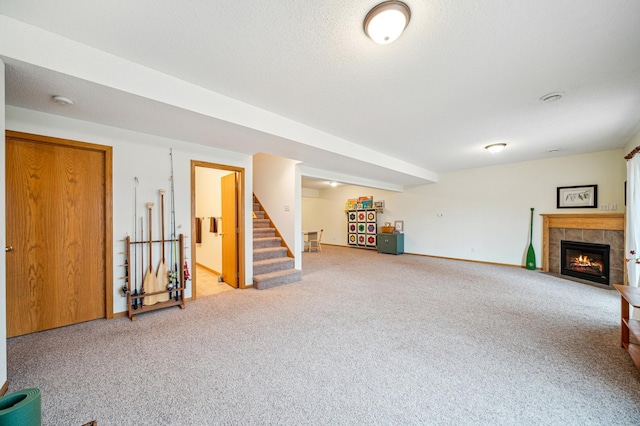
x,y
8,248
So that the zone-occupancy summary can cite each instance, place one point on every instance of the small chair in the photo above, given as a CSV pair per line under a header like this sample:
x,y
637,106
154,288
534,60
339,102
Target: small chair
x,y
314,241
311,236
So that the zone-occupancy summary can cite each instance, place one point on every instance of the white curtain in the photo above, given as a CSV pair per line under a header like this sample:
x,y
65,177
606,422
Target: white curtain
x,y
633,221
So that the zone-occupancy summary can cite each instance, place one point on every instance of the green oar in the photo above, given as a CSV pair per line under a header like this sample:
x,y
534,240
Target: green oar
x,y
531,255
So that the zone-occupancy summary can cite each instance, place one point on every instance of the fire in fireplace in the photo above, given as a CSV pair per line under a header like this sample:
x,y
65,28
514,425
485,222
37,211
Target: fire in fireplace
x,y
587,261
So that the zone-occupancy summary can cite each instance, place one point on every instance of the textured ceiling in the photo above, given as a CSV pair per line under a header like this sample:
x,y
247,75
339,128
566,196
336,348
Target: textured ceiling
x,y
463,75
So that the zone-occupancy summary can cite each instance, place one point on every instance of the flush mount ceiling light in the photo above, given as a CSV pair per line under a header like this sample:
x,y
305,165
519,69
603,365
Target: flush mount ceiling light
x,y
334,184
385,22
62,100
552,97
496,147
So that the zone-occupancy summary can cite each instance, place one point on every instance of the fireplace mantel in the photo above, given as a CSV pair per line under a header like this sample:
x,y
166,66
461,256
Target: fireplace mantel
x,y
603,221
609,221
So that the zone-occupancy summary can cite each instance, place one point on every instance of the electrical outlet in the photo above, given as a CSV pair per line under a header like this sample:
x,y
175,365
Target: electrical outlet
x,y
604,207
613,207
286,208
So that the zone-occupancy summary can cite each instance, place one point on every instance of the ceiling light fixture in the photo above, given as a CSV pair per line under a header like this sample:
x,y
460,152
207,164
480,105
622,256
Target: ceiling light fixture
x,y
334,184
552,97
496,147
385,22
62,100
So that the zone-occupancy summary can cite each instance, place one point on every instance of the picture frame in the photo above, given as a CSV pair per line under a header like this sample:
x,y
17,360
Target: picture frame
x,y
577,197
398,227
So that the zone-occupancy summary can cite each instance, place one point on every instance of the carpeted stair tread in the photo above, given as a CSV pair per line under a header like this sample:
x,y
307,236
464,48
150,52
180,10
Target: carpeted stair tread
x,y
274,279
269,253
264,232
261,223
276,260
267,242
272,265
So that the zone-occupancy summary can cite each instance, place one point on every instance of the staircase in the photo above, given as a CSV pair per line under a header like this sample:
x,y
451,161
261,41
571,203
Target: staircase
x,y
272,265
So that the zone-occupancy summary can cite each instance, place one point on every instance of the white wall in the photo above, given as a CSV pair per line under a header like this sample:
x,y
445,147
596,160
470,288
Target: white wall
x,y
209,203
274,183
310,192
3,242
484,212
319,213
146,157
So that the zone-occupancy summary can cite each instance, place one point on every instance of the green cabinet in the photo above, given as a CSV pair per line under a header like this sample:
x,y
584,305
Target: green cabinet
x,y
391,243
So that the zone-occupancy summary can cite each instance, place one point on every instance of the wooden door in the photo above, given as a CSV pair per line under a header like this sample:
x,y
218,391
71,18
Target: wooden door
x,y
56,223
229,197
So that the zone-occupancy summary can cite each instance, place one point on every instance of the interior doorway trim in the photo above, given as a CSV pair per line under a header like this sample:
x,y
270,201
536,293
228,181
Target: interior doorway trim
x,y
108,202
240,208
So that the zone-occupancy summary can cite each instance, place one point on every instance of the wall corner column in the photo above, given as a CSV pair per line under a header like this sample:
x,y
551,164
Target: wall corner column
x,y
3,238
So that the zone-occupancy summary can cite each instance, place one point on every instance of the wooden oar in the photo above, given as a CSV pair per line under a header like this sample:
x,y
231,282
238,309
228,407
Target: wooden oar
x,y
150,283
163,271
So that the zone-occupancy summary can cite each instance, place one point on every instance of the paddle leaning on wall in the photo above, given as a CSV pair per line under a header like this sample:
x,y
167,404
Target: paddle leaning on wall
x,y
531,254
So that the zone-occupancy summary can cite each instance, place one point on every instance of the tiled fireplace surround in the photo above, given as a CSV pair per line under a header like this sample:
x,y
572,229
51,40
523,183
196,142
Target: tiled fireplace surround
x,y
600,228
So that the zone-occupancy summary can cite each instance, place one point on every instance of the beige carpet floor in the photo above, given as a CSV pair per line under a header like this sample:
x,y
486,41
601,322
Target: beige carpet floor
x,y
364,338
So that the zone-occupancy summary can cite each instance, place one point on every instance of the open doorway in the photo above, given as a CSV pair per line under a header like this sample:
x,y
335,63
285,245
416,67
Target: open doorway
x,y
216,211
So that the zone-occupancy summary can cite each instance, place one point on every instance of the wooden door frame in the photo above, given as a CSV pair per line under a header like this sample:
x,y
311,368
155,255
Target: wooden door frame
x,y
240,209
107,151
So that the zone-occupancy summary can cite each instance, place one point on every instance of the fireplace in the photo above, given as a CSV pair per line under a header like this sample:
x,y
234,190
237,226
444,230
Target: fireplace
x,y
595,228
586,261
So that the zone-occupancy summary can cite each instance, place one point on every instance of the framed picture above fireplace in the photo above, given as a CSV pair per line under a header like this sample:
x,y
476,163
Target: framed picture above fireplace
x,y
575,197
